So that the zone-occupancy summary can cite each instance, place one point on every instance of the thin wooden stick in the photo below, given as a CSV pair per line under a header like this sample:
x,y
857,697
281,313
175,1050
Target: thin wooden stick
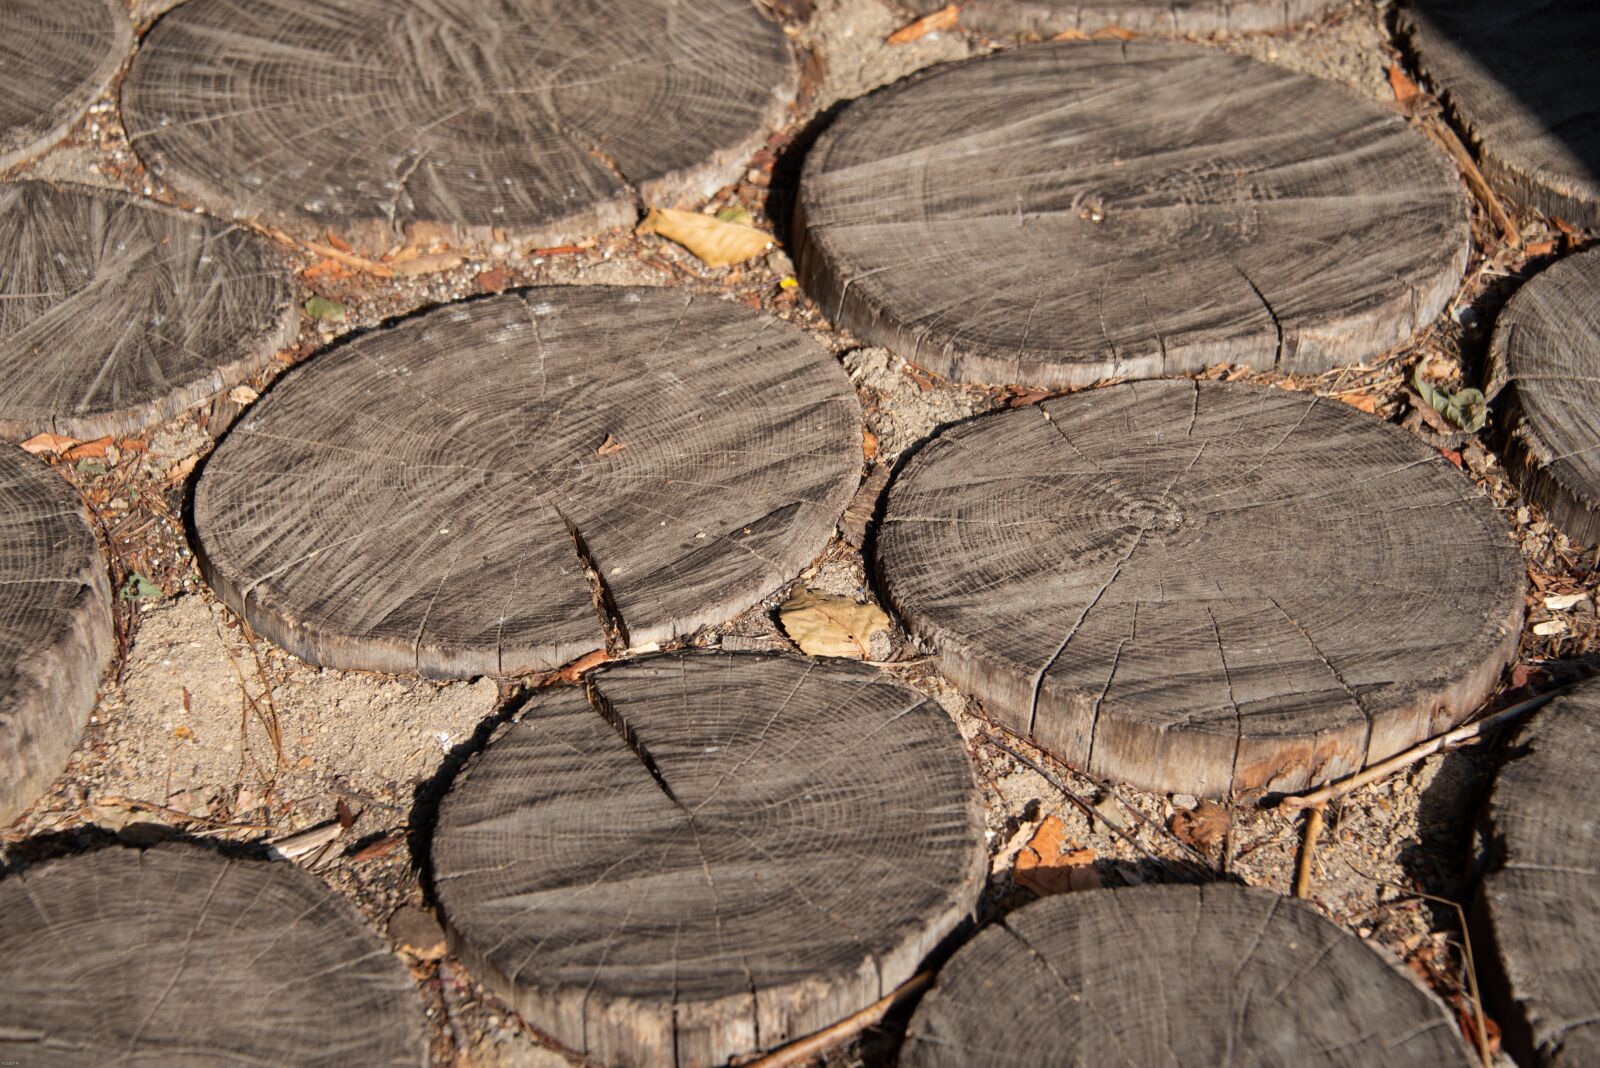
x,y
802,1050
1334,790
1308,847
1447,139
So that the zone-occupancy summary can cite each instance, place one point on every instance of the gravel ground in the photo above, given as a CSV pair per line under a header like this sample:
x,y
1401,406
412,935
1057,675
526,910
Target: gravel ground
x,y
208,731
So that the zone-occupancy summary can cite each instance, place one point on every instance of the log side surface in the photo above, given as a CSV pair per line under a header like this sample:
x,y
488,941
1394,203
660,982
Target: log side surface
x,y
1539,897
1545,381
178,957
435,495
1176,976
55,627
116,314
1060,215
1520,76
541,119
1046,18
56,57
709,853
1204,588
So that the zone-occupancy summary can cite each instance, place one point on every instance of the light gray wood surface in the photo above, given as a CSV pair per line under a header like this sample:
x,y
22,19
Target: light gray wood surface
x,y
543,119
430,496
56,57
708,854
55,627
1046,18
1204,588
1520,76
177,957
1540,897
1176,977
1544,377
116,313
1059,215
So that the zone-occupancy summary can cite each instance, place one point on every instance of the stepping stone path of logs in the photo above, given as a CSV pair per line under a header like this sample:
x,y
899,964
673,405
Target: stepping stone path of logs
x,y
56,57
177,955
1538,902
116,314
1092,596
696,855
1520,76
1176,975
761,845
1546,376
368,116
1145,208
55,627
530,439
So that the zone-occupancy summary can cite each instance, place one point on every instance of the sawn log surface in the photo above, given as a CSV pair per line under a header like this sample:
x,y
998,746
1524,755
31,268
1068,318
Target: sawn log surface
x,y
56,57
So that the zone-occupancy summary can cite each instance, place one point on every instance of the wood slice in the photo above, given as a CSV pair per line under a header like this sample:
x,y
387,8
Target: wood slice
x,y
55,627
1540,902
536,117
1204,588
1520,76
1064,214
179,957
1174,976
56,57
116,314
709,853
1046,18
1545,378
429,497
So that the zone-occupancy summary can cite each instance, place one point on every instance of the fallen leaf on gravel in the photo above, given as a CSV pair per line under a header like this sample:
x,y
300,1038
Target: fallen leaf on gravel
x,y
1044,867
494,281
321,308
48,444
1202,826
1365,402
139,588
715,242
824,625
181,470
869,443
90,449
243,395
1466,409
1404,88
942,19
381,848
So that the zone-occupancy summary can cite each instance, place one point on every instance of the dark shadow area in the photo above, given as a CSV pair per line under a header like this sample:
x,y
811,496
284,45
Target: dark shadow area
x,y
1543,55
89,838
783,188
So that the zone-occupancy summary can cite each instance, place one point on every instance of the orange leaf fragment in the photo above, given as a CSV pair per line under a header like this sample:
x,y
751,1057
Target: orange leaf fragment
x,y
381,848
943,19
1365,402
1202,826
869,443
48,444
1404,88
89,449
1046,866
610,447
1113,33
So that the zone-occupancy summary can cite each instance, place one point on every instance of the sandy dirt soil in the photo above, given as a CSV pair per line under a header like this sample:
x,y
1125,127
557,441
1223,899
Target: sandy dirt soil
x,y
205,730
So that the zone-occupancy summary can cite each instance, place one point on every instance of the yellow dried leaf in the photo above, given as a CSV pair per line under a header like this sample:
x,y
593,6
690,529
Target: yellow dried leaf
x,y
824,625
715,242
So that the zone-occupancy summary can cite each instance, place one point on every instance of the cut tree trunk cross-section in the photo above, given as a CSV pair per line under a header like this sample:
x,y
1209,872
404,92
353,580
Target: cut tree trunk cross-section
x,y
56,57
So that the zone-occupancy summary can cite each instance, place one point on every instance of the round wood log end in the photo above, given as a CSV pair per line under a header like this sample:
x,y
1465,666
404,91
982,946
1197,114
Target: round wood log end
x,y
56,637
1539,905
1176,975
1545,382
179,956
56,58
1204,588
708,854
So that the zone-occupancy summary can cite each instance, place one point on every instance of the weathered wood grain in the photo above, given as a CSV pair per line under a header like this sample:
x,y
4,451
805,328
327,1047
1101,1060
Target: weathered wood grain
x,y
1064,214
1206,588
1520,75
543,119
179,957
56,57
1544,377
1539,901
709,853
1046,18
428,497
55,627
1174,976
116,314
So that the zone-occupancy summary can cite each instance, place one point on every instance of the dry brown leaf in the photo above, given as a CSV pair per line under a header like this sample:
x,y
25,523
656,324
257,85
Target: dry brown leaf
x,y
1361,401
1112,33
610,447
943,19
48,444
90,450
381,848
1404,88
824,625
1202,826
181,470
1047,867
715,242
243,395
495,281
1070,35
869,443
